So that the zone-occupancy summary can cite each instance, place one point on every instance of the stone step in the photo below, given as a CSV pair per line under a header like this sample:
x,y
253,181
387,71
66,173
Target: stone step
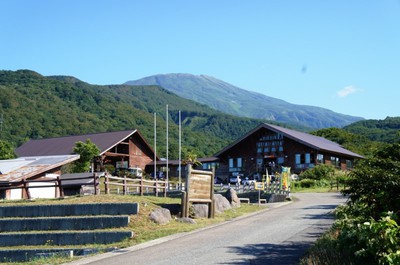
x,y
69,209
25,255
62,238
63,223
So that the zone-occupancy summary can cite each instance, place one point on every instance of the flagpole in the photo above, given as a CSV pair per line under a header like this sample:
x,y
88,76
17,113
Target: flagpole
x,y
167,145
155,146
180,149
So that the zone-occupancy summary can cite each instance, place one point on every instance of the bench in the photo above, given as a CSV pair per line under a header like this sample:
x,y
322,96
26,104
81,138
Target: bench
x,y
262,201
245,200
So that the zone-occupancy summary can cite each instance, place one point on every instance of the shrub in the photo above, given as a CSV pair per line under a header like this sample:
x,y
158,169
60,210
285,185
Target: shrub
x,y
318,172
307,183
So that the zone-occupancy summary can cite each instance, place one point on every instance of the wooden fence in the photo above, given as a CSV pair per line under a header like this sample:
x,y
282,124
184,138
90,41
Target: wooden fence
x,y
132,185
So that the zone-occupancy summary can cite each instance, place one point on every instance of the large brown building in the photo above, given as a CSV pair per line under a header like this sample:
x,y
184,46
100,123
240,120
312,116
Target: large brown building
x,y
269,147
121,149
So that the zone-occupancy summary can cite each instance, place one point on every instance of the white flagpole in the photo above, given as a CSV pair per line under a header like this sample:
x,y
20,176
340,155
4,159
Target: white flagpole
x,y
155,146
180,149
167,147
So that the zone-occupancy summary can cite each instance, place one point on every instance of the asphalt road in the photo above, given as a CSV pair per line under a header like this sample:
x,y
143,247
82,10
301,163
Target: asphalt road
x,y
278,235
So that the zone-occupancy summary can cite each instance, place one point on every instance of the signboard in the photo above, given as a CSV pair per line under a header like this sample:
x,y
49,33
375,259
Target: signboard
x,y
259,186
199,189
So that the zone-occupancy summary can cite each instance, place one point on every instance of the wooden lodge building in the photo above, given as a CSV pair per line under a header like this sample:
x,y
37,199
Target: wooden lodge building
x,y
121,149
270,147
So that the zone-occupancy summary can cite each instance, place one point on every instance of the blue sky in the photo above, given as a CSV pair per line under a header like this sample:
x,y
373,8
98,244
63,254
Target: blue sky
x,y
337,54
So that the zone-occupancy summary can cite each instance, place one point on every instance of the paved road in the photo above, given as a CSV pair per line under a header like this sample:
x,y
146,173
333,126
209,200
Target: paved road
x,y
279,235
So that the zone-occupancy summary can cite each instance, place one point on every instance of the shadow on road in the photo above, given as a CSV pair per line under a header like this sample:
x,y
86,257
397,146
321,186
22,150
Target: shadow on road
x,y
271,254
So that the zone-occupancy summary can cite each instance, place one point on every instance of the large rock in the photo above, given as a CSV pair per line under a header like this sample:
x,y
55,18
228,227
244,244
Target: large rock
x,y
160,216
199,210
232,197
221,203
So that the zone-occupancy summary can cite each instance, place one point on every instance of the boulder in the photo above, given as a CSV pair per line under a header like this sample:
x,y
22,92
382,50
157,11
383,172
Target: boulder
x,y
221,203
160,216
199,210
232,197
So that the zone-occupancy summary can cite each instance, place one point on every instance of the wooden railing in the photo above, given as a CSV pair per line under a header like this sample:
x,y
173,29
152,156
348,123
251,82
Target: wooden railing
x,y
132,185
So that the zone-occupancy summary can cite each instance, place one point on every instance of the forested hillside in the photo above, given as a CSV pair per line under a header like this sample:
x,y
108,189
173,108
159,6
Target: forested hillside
x,y
35,107
387,130
357,143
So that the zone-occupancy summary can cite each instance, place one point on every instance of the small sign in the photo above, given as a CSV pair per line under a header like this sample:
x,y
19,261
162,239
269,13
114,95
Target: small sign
x,y
259,186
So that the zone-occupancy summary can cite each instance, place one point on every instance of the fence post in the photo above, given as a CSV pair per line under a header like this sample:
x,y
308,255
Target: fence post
x,y
25,184
124,187
141,186
106,188
156,188
95,183
60,188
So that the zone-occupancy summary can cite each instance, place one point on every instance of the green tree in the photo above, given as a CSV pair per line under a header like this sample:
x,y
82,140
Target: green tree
x,y
87,151
6,150
374,184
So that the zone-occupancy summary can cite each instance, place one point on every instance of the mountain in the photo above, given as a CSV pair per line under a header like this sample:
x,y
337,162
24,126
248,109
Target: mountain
x,y
240,102
36,106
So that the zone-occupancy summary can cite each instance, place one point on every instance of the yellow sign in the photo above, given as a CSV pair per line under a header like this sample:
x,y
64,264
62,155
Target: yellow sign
x,y
259,186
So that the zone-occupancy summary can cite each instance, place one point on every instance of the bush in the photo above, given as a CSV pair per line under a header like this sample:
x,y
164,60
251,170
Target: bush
x,y
318,172
307,183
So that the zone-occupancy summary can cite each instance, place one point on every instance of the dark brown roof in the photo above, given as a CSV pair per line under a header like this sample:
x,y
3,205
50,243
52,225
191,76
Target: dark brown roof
x,y
316,142
64,145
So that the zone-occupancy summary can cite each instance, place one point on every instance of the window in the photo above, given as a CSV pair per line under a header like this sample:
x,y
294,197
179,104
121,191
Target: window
x,y
239,162
230,162
320,158
235,164
335,161
349,164
297,159
308,158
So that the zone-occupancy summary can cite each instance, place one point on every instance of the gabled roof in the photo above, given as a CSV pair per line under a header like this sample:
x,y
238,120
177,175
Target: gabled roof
x,y
315,142
64,145
26,167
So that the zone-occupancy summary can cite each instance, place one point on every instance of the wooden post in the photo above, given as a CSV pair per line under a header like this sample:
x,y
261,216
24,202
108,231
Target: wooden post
x,y
124,186
60,187
141,186
183,205
26,188
165,189
106,188
156,191
95,183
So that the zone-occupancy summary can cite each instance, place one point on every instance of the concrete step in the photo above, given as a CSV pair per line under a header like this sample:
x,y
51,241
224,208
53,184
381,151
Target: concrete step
x,y
69,209
62,238
29,254
63,223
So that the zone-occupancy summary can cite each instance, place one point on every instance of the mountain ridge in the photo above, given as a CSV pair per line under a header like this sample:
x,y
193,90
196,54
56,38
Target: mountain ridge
x,y
233,100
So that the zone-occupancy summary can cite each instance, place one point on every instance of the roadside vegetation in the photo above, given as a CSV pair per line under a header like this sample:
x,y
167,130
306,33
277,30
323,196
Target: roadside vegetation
x,y
367,228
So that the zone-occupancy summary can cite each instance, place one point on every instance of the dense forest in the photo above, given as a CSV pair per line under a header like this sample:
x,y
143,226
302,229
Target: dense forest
x,y
34,106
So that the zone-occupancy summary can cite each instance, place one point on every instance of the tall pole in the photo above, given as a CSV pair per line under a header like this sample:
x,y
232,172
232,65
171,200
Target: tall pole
x,y
155,146
180,149
167,146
